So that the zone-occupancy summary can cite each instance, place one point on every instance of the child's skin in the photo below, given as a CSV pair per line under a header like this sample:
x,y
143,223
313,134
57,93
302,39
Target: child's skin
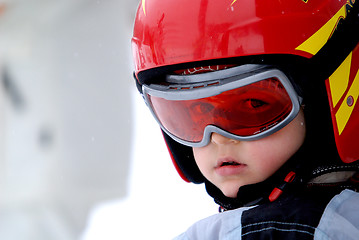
x,y
255,160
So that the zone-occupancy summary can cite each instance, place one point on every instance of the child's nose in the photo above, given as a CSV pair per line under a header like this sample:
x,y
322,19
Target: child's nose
x,y
219,139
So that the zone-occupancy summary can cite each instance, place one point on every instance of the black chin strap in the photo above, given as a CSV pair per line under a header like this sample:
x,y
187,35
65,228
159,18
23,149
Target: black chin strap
x,y
253,194
247,196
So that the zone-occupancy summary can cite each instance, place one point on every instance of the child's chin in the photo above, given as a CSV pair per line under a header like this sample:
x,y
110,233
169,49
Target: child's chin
x,y
231,193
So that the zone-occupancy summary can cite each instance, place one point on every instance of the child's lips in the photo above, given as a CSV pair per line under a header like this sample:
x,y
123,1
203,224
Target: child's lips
x,y
227,161
229,166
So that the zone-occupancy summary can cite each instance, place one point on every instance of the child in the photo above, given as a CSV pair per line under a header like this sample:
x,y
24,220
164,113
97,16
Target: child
x,y
256,99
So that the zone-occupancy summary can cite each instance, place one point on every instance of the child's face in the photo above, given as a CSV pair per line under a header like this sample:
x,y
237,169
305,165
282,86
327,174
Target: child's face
x,y
230,164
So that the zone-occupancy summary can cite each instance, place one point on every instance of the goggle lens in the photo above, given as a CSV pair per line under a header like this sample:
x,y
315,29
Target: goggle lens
x,y
243,111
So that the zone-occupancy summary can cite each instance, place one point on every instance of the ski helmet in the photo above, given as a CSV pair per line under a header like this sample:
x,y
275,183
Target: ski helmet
x,y
309,38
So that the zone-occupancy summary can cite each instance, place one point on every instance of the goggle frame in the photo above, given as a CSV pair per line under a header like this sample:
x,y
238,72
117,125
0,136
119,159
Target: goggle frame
x,y
203,85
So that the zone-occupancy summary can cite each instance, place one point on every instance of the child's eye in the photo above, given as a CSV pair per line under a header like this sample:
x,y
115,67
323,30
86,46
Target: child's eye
x,y
255,103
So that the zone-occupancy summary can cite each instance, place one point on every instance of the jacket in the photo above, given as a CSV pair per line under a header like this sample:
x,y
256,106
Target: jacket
x,y
295,216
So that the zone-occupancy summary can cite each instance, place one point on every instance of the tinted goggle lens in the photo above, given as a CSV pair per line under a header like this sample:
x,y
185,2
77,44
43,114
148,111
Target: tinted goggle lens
x,y
245,111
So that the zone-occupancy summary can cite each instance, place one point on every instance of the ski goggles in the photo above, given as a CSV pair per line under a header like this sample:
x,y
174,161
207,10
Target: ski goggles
x,y
243,103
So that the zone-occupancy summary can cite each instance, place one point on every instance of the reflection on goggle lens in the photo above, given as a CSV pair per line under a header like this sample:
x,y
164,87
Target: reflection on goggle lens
x,y
243,111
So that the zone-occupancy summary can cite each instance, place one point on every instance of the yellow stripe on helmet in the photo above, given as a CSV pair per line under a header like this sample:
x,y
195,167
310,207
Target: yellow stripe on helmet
x,y
314,43
338,83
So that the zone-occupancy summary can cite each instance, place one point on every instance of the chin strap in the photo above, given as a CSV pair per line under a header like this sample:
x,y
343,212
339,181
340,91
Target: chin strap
x,y
247,196
253,194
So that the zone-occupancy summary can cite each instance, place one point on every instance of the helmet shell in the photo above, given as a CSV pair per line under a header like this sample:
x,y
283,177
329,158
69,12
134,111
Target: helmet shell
x,y
173,32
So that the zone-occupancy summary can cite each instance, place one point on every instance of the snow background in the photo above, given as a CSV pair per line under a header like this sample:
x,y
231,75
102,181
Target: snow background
x,y
80,155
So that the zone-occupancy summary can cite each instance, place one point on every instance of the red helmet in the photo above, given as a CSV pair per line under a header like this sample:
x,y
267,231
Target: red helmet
x,y
321,36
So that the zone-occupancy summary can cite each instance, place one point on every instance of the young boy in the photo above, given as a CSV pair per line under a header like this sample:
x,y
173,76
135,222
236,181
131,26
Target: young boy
x,y
256,99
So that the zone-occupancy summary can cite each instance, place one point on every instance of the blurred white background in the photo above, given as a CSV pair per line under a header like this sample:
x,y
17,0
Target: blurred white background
x,y
80,155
